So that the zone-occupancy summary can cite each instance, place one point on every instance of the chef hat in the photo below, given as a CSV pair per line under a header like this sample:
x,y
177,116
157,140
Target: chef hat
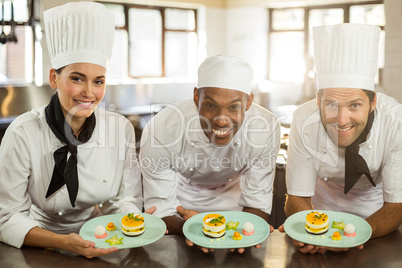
x,y
346,55
226,72
79,32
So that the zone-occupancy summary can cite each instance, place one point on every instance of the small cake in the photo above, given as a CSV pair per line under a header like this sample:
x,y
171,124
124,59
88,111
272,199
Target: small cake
x,y
110,226
336,236
317,223
349,230
248,228
237,236
100,232
133,224
214,225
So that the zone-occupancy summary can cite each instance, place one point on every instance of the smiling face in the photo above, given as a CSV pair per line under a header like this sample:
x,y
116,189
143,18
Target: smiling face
x,y
221,112
81,87
344,113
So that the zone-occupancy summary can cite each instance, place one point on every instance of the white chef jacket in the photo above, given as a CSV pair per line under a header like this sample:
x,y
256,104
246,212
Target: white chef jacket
x,y
316,166
181,167
108,173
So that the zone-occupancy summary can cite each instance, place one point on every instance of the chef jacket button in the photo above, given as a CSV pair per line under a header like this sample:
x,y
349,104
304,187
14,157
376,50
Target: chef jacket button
x,y
230,179
325,179
105,179
236,169
369,147
193,144
324,151
100,205
191,169
237,143
60,213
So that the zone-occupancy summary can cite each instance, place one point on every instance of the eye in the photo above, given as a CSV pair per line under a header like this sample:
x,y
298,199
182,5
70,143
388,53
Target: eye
x,y
332,105
355,105
77,79
235,107
99,82
210,105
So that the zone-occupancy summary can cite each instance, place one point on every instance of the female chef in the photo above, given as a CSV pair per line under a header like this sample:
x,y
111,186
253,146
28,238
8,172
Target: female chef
x,y
65,163
349,140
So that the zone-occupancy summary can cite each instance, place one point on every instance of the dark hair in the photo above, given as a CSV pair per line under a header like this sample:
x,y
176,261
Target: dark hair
x,y
58,71
370,94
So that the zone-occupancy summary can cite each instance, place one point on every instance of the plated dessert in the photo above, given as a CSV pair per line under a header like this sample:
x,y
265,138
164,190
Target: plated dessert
x,y
316,223
214,225
133,225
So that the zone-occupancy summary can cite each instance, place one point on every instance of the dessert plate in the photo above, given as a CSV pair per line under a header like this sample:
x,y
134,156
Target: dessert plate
x,y
192,229
155,228
294,227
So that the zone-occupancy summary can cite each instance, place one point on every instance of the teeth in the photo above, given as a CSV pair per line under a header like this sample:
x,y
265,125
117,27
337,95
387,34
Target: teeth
x,y
343,129
220,132
83,103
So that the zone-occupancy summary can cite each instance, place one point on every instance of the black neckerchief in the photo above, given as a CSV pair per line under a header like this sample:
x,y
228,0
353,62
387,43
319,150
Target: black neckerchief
x,y
355,165
65,171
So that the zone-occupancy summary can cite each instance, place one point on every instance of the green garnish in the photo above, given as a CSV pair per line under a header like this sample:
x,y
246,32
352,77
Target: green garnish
x,y
318,216
114,240
232,225
131,217
338,225
218,219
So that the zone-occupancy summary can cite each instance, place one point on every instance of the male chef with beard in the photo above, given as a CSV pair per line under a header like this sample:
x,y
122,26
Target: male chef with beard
x,y
215,152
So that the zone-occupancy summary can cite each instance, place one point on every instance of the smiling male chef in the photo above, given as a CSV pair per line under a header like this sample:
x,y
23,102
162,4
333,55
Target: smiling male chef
x,y
214,152
345,150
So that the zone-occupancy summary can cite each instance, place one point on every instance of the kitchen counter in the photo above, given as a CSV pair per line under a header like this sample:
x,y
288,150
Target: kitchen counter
x,y
171,251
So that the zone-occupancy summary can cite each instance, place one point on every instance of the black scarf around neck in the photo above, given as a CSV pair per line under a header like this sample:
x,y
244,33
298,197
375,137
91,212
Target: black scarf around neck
x,y
65,171
355,165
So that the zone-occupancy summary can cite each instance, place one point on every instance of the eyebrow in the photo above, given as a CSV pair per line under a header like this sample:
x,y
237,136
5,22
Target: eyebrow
x,y
81,74
349,101
233,101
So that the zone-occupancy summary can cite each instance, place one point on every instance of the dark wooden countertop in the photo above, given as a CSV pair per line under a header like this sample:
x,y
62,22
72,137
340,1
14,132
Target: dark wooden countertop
x,y
171,251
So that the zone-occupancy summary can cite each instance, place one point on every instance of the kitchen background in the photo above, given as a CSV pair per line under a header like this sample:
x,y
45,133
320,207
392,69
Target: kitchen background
x,y
160,44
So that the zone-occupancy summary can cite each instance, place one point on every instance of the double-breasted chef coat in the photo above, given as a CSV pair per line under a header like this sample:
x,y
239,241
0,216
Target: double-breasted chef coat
x,y
316,166
180,166
108,174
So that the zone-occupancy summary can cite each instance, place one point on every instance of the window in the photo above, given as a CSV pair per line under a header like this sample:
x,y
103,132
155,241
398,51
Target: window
x,y
154,42
17,46
290,35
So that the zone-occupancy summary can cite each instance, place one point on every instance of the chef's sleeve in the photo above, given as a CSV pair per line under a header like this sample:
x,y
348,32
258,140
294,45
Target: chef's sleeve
x,y
15,201
257,185
159,179
301,176
129,196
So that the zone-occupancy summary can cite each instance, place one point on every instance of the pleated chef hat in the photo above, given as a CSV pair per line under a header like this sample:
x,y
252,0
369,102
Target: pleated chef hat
x,y
79,32
346,55
226,72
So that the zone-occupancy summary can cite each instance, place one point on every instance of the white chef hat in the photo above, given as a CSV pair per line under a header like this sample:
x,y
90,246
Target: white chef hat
x,y
346,55
79,32
226,72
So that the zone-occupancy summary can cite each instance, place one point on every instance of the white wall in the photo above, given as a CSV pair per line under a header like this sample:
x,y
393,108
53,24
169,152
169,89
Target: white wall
x,y
392,78
247,37
215,30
